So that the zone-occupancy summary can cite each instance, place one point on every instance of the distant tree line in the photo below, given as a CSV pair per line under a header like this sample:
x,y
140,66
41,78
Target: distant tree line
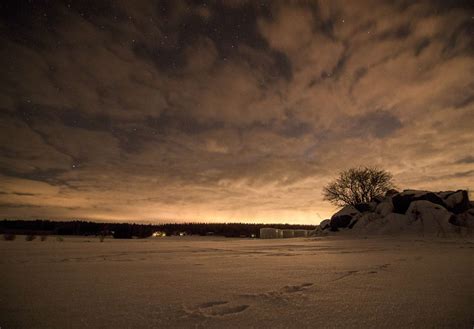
x,y
127,230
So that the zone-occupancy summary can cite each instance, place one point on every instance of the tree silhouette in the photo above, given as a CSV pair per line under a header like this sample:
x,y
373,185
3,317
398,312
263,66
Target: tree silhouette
x,y
358,185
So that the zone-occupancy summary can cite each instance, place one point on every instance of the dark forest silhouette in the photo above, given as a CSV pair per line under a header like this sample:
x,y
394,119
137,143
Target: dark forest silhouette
x,y
129,230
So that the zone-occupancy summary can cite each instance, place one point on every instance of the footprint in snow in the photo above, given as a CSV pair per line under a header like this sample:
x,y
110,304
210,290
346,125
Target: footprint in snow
x,y
216,309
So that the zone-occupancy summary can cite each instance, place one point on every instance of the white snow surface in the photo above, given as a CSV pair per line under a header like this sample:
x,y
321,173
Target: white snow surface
x,y
430,218
372,223
213,282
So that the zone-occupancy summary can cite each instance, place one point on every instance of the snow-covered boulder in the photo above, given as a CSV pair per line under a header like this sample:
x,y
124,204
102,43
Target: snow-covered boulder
x,y
442,214
370,206
325,224
378,199
319,231
373,205
367,223
394,223
429,218
363,207
465,219
456,202
385,207
343,217
391,193
354,221
401,201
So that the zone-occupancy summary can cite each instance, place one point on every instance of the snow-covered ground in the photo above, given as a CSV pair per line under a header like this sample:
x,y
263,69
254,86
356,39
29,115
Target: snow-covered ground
x,y
193,282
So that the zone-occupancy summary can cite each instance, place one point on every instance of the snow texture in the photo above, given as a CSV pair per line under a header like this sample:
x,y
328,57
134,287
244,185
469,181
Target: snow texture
x,y
213,282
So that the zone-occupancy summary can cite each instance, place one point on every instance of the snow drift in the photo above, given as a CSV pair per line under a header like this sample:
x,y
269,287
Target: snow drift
x,y
441,214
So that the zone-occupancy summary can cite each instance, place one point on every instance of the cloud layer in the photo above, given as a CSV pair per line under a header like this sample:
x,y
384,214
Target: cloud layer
x,y
228,111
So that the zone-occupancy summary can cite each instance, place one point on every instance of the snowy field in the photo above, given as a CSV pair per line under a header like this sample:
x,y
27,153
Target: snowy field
x,y
197,282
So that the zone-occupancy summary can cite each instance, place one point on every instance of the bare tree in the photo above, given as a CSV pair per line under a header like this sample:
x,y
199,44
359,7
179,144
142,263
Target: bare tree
x,y
358,185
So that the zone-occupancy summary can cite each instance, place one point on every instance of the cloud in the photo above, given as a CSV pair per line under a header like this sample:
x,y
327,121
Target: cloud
x,y
289,30
229,111
377,124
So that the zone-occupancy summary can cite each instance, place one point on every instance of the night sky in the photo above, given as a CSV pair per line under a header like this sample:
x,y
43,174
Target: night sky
x,y
228,111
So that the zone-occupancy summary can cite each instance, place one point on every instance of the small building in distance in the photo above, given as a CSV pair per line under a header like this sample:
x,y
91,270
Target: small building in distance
x,y
274,233
301,233
287,234
269,233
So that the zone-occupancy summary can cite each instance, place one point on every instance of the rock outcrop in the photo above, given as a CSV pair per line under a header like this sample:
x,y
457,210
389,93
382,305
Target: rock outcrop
x,y
402,201
343,218
457,202
440,214
325,224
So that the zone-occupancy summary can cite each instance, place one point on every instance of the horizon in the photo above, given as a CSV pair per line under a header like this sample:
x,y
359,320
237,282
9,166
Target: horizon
x,y
152,221
228,110
164,221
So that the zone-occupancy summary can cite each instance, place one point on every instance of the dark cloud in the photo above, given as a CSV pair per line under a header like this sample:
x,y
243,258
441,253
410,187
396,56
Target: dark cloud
x,y
400,32
227,110
50,176
77,119
379,124
421,45
295,129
